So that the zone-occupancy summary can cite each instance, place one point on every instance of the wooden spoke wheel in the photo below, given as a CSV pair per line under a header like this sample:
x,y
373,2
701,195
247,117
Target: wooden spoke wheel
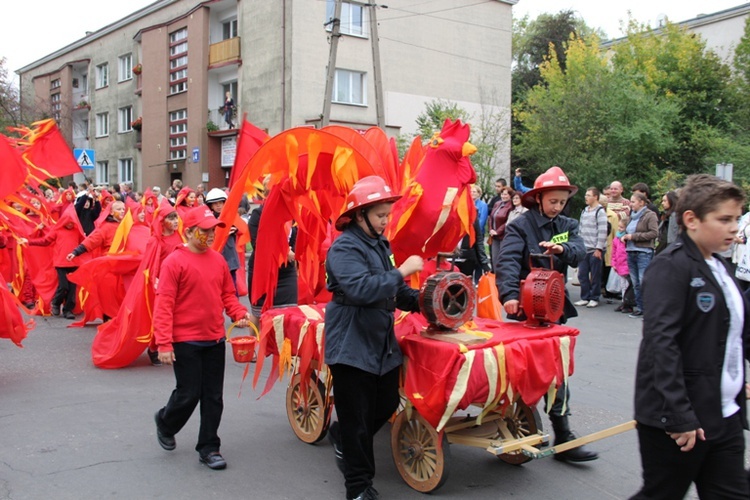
x,y
522,422
422,456
308,413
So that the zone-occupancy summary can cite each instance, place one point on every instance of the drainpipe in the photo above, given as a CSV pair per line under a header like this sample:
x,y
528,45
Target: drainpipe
x,y
283,65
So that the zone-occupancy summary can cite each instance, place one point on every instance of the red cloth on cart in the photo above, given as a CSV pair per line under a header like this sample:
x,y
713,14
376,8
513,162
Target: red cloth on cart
x,y
509,357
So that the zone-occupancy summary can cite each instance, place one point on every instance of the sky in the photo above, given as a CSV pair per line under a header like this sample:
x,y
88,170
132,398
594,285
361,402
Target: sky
x,y
43,26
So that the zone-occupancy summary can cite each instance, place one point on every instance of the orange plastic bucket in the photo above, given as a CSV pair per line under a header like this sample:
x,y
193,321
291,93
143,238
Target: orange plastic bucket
x,y
243,348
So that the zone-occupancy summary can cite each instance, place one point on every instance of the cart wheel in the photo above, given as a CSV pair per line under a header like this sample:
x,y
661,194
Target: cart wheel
x,y
522,422
420,461
308,416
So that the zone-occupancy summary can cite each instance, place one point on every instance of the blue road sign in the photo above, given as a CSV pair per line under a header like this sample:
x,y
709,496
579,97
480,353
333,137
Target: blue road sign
x,y
86,158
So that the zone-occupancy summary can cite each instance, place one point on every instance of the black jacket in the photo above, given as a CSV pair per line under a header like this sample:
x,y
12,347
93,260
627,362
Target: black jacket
x,y
359,332
522,238
685,327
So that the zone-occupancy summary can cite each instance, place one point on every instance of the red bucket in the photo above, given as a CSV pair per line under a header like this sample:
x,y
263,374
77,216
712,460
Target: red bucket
x,y
243,348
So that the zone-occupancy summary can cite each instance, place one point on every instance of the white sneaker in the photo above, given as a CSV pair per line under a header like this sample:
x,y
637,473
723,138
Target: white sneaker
x,y
582,303
592,303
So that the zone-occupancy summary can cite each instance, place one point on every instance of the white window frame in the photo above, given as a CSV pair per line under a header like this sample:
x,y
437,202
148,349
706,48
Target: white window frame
x,y
102,172
345,77
125,170
124,118
125,68
102,75
178,35
102,124
354,18
178,134
229,29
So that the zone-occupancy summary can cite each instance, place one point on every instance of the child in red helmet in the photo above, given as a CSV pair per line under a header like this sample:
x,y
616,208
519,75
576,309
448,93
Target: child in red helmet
x,y
361,348
543,229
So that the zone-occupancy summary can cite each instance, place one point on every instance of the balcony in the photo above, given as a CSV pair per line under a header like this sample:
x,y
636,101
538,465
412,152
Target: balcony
x,y
224,52
217,118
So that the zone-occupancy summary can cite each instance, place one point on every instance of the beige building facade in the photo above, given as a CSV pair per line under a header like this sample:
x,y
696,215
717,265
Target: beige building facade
x,y
145,93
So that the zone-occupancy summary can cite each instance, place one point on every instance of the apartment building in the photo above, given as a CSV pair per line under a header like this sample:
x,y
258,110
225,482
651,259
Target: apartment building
x,y
145,92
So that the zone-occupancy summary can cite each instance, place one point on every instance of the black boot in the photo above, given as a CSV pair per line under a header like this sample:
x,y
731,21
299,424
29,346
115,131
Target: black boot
x,y
563,434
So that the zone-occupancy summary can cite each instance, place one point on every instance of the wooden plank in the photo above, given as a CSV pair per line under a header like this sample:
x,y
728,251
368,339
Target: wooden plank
x,y
589,438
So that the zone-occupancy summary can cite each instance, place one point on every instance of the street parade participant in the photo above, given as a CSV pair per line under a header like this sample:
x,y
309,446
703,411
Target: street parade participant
x,y
360,344
65,235
543,229
690,378
88,209
189,331
215,200
185,201
102,236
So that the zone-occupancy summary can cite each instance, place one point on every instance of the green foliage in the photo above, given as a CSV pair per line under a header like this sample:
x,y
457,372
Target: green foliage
x,y
654,108
435,114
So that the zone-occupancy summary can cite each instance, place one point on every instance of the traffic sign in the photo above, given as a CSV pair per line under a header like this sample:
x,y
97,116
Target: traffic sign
x,y
86,158
196,155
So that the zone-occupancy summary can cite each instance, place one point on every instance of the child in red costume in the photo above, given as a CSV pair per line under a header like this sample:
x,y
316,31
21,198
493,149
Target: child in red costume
x,y
65,235
194,289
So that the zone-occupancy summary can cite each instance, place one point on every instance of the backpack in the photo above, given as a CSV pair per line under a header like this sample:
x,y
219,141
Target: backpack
x,y
596,216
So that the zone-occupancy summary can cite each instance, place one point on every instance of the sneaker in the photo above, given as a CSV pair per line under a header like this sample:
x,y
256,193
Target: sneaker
x,y
165,441
635,314
213,460
592,303
627,310
69,315
55,310
153,356
581,303
334,436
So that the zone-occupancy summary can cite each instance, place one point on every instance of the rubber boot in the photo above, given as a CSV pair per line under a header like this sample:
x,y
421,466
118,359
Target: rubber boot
x,y
563,434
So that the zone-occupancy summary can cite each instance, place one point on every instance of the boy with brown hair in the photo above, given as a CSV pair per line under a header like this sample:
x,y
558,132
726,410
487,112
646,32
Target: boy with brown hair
x,y
690,379
194,290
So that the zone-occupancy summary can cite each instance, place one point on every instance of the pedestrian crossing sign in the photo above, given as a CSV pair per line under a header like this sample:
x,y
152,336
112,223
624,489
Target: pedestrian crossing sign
x,y
86,158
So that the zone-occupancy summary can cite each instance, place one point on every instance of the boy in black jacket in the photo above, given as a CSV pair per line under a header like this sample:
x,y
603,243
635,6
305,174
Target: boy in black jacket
x,y
544,229
690,380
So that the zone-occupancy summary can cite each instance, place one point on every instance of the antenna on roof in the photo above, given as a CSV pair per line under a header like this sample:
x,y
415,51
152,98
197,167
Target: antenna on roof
x,y
661,20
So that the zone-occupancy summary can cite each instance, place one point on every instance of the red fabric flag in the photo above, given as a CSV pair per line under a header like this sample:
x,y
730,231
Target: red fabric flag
x,y
14,169
48,151
250,139
11,322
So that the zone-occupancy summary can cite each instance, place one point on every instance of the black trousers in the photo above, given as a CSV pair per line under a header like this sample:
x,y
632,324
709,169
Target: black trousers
x,y
716,465
364,402
199,372
66,290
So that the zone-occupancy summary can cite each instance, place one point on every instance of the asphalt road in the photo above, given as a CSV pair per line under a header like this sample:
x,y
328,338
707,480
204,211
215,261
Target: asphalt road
x,y
71,431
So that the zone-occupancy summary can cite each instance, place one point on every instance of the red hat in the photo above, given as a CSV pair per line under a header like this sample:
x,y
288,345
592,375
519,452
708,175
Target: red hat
x,y
366,191
201,217
552,180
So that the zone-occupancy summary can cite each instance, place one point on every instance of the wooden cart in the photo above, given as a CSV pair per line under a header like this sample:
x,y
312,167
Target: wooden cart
x,y
501,423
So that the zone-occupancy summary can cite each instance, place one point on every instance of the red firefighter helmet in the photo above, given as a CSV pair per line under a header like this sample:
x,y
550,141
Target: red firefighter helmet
x,y
553,179
366,191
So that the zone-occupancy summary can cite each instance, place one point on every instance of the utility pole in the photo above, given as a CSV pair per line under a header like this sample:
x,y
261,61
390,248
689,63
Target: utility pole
x,y
335,35
377,74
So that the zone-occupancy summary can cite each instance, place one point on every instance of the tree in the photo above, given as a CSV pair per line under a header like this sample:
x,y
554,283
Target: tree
x,y
10,110
595,123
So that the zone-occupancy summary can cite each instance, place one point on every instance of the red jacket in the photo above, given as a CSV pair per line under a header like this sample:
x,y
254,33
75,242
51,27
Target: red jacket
x,y
193,291
65,240
102,236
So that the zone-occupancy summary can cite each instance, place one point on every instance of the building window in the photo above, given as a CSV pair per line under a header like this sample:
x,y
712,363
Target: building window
x,y
124,118
56,101
102,75
178,59
178,134
349,87
102,124
353,18
229,29
125,169
125,68
55,84
102,172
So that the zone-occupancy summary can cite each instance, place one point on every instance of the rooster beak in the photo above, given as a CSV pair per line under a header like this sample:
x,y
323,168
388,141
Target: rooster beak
x,y
468,149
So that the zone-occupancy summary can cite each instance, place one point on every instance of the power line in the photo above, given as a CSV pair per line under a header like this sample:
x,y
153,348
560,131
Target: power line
x,y
462,56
